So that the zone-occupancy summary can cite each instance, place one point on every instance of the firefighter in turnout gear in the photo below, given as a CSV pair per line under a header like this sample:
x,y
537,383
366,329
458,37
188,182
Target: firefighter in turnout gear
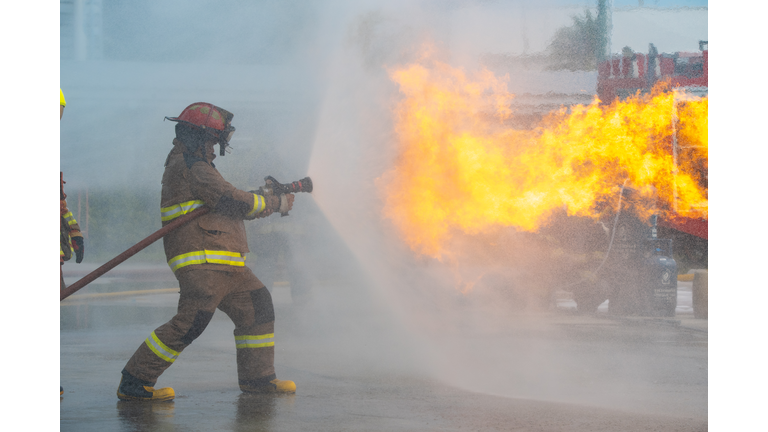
x,y
207,257
70,239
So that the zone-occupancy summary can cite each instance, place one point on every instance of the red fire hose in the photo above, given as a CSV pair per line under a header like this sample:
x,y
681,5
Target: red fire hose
x,y
90,277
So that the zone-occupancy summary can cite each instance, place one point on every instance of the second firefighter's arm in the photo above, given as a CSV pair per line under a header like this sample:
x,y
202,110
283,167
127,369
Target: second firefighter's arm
x,y
73,230
207,184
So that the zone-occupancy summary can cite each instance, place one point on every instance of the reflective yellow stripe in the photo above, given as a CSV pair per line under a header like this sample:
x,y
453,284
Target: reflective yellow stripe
x,y
259,204
161,349
254,341
174,211
207,256
70,218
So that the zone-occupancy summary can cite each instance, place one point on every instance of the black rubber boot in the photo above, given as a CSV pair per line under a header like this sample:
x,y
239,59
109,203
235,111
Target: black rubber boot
x,y
132,389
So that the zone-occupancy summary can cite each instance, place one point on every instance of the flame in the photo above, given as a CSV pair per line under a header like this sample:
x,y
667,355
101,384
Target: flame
x,y
462,169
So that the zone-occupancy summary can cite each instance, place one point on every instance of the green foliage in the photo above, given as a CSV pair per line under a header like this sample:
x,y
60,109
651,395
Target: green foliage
x,y
577,47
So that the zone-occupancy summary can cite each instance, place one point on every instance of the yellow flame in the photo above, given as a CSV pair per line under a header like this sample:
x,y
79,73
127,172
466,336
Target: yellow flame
x,y
461,169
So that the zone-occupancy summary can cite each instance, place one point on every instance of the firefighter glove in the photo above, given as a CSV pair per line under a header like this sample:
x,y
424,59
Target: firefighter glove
x,y
78,246
286,203
273,203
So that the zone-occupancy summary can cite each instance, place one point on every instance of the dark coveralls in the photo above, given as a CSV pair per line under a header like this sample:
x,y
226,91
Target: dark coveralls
x,y
207,256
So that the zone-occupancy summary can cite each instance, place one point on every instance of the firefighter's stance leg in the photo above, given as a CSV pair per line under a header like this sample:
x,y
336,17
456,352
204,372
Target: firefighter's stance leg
x,y
201,291
61,273
250,308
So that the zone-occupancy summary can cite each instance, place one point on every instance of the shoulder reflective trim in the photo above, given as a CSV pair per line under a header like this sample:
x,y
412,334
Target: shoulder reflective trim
x,y
70,218
174,211
259,204
255,341
207,256
161,349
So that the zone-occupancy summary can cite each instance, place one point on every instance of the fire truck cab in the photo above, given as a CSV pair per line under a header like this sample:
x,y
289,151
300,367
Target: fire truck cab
x,y
650,255
687,72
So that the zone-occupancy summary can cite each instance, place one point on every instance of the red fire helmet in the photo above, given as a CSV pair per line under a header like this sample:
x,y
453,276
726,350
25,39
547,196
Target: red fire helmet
x,y
210,118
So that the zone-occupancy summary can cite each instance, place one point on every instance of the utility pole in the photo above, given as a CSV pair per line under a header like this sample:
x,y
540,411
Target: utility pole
x,y
605,28
82,20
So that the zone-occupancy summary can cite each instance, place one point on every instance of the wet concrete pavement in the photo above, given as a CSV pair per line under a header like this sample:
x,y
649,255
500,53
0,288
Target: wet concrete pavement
x,y
354,373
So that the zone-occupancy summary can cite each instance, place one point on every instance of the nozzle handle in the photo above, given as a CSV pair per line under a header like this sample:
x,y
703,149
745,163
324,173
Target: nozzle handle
x,y
303,185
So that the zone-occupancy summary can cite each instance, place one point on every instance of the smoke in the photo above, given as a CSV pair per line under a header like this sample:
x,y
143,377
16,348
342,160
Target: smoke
x,y
308,84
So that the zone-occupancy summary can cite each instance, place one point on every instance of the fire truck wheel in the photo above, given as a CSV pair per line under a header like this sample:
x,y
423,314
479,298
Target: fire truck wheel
x,y
589,297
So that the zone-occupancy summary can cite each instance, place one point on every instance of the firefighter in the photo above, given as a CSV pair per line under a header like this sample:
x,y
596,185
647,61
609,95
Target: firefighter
x,y
71,239
207,257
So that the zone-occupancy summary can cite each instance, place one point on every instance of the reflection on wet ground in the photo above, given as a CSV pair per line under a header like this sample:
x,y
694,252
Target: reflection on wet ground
x,y
144,416
252,413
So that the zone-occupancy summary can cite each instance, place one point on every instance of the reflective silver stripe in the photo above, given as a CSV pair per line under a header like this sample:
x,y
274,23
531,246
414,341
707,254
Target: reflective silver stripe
x,y
255,341
184,260
70,218
174,211
259,204
159,348
206,256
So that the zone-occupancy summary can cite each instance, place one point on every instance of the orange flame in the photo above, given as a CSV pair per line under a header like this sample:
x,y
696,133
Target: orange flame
x,y
461,169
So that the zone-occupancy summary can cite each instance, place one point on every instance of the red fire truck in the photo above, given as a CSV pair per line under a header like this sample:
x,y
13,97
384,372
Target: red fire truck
x,y
637,271
631,72
630,262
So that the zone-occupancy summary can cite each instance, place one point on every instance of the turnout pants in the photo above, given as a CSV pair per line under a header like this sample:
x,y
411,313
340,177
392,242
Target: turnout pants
x,y
242,297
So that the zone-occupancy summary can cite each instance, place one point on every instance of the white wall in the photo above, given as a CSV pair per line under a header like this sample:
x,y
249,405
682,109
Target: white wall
x,y
670,30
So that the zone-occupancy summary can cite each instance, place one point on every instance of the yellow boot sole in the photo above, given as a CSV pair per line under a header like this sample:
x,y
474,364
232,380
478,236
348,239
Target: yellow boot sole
x,y
274,386
163,394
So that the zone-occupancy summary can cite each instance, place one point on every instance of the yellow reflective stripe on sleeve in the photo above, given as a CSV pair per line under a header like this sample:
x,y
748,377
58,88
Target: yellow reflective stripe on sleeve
x,y
255,341
259,204
70,218
207,256
174,211
159,348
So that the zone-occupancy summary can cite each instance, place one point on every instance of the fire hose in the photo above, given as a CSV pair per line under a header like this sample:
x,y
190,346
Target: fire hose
x,y
131,251
610,243
272,187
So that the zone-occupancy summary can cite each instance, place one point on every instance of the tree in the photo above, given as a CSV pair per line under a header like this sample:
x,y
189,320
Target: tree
x,y
582,45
